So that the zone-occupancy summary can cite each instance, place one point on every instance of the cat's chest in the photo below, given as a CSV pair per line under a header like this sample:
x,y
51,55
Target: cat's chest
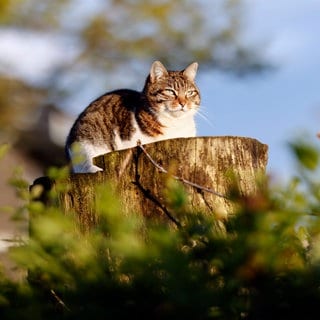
x,y
179,128
172,128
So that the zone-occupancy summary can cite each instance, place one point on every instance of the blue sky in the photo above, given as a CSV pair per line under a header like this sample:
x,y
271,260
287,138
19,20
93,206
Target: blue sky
x,y
274,107
280,105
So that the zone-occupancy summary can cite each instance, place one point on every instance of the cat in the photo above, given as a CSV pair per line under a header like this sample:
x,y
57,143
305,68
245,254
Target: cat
x,y
165,109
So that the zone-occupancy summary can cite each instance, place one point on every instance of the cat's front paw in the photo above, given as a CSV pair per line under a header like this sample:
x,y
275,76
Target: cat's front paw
x,y
85,168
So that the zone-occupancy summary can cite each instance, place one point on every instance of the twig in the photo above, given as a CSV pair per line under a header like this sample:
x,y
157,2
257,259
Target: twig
x,y
59,300
161,169
151,197
158,203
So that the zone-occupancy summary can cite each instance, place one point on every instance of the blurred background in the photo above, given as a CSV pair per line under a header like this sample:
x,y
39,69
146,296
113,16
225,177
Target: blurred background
x,y
259,70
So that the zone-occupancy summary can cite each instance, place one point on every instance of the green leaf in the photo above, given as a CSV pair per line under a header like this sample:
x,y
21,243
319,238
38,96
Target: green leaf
x,y
4,148
306,154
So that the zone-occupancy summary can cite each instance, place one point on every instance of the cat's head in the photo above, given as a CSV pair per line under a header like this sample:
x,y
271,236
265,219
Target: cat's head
x,y
172,94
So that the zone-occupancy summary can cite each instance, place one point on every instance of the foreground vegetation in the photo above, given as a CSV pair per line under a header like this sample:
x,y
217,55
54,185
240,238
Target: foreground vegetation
x,y
267,265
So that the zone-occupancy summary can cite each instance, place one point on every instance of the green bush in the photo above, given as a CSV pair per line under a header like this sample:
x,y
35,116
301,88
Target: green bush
x,y
266,266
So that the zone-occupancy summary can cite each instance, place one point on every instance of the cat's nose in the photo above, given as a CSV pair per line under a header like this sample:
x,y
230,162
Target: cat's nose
x,y
182,104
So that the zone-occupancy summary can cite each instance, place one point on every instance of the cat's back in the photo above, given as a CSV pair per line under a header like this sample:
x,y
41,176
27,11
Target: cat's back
x,y
125,99
103,115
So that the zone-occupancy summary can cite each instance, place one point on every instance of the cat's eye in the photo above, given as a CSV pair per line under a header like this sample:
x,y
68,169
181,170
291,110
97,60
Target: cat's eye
x,y
170,92
191,93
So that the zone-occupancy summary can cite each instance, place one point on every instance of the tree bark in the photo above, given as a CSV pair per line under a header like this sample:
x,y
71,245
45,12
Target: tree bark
x,y
207,167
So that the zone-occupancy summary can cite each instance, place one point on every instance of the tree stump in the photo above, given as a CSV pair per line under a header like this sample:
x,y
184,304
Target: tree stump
x,y
207,168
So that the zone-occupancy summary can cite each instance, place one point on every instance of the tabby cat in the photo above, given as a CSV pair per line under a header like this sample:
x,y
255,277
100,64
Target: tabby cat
x,y
164,109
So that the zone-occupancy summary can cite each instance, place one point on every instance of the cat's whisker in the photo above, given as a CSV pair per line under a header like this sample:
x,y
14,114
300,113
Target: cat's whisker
x,y
201,113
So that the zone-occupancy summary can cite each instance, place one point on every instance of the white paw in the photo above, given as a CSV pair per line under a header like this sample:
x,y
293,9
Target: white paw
x,y
86,168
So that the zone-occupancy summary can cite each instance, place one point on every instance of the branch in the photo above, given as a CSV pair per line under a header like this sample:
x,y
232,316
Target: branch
x,y
151,197
161,169
61,303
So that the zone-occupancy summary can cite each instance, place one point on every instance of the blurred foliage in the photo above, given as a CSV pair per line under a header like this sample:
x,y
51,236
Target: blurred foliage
x,y
266,266
121,32
19,103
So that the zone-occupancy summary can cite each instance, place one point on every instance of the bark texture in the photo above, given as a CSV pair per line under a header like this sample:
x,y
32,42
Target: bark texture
x,y
139,177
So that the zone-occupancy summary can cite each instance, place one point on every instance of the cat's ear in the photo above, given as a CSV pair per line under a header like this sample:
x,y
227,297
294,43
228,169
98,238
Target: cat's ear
x,y
191,71
157,71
